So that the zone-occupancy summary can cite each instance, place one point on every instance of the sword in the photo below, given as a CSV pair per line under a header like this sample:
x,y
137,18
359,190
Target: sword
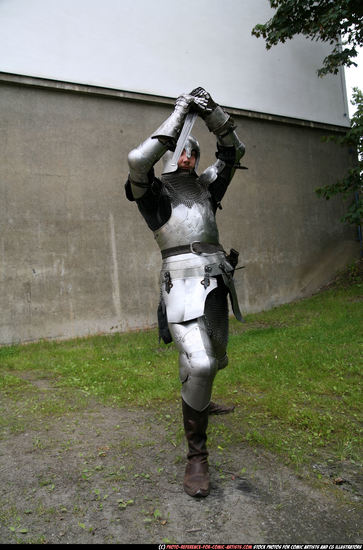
x,y
184,134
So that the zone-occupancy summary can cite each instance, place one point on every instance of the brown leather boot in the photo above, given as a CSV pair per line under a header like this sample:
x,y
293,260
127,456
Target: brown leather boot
x,y
196,479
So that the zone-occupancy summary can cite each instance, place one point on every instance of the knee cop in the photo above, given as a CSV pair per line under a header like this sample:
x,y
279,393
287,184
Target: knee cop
x,y
197,362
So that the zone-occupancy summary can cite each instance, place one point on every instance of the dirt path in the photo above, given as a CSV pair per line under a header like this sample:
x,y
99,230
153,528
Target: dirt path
x,y
108,475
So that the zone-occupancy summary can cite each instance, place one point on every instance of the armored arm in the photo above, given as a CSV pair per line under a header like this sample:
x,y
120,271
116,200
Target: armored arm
x,y
223,127
147,154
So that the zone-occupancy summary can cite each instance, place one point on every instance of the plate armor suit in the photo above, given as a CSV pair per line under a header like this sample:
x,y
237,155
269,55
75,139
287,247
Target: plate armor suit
x,y
196,275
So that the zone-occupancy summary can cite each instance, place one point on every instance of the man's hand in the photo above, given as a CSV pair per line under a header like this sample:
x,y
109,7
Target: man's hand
x,y
207,103
193,103
183,102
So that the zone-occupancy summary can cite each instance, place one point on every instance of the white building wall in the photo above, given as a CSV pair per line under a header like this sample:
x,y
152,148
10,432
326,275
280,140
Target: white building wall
x,y
166,47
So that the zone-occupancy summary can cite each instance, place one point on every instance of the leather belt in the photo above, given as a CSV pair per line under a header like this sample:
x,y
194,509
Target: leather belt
x,y
195,247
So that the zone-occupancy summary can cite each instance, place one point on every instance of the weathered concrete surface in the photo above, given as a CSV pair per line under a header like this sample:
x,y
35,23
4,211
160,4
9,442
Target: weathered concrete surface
x,y
76,258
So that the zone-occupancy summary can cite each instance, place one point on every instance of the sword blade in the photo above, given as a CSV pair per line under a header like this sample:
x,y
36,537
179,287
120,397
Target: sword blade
x,y
184,134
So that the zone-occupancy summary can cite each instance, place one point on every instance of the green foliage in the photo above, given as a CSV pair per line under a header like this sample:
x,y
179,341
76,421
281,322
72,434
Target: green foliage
x,y
324,20
350,187
340,24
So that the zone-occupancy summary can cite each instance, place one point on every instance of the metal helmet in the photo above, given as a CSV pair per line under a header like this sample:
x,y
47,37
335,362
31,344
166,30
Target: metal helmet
x,y
191,144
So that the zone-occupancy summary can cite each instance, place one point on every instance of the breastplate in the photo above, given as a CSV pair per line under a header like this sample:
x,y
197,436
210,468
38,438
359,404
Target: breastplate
x,y
187,225
192,217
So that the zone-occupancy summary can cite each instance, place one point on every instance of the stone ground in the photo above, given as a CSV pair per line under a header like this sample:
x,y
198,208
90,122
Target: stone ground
x,y
108,475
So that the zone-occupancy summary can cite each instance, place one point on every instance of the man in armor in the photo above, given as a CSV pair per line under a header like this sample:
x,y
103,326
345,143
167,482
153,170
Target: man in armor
x,y
196,274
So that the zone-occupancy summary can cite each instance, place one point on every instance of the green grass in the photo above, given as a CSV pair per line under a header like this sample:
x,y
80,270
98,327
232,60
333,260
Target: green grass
x,y
294,372
298,374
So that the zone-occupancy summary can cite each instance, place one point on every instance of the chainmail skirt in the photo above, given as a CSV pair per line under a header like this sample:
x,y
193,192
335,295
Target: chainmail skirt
x,y
216,317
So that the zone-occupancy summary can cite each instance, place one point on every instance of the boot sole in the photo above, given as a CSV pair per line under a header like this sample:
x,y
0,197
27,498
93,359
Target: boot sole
x,y
199,494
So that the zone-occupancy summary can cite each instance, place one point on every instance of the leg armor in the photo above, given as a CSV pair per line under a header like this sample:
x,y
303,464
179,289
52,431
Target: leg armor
x,y
216,316
202,347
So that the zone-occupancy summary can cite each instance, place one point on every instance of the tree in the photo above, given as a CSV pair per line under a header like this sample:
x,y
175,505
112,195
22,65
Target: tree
x,y
352,183
338,22
341,24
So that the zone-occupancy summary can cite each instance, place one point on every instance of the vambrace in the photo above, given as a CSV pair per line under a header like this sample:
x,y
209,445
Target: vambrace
x,y
232,140
222,125
141,160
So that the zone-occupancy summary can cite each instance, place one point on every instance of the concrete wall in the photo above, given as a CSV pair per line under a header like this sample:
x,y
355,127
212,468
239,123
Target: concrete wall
x,y
76,258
